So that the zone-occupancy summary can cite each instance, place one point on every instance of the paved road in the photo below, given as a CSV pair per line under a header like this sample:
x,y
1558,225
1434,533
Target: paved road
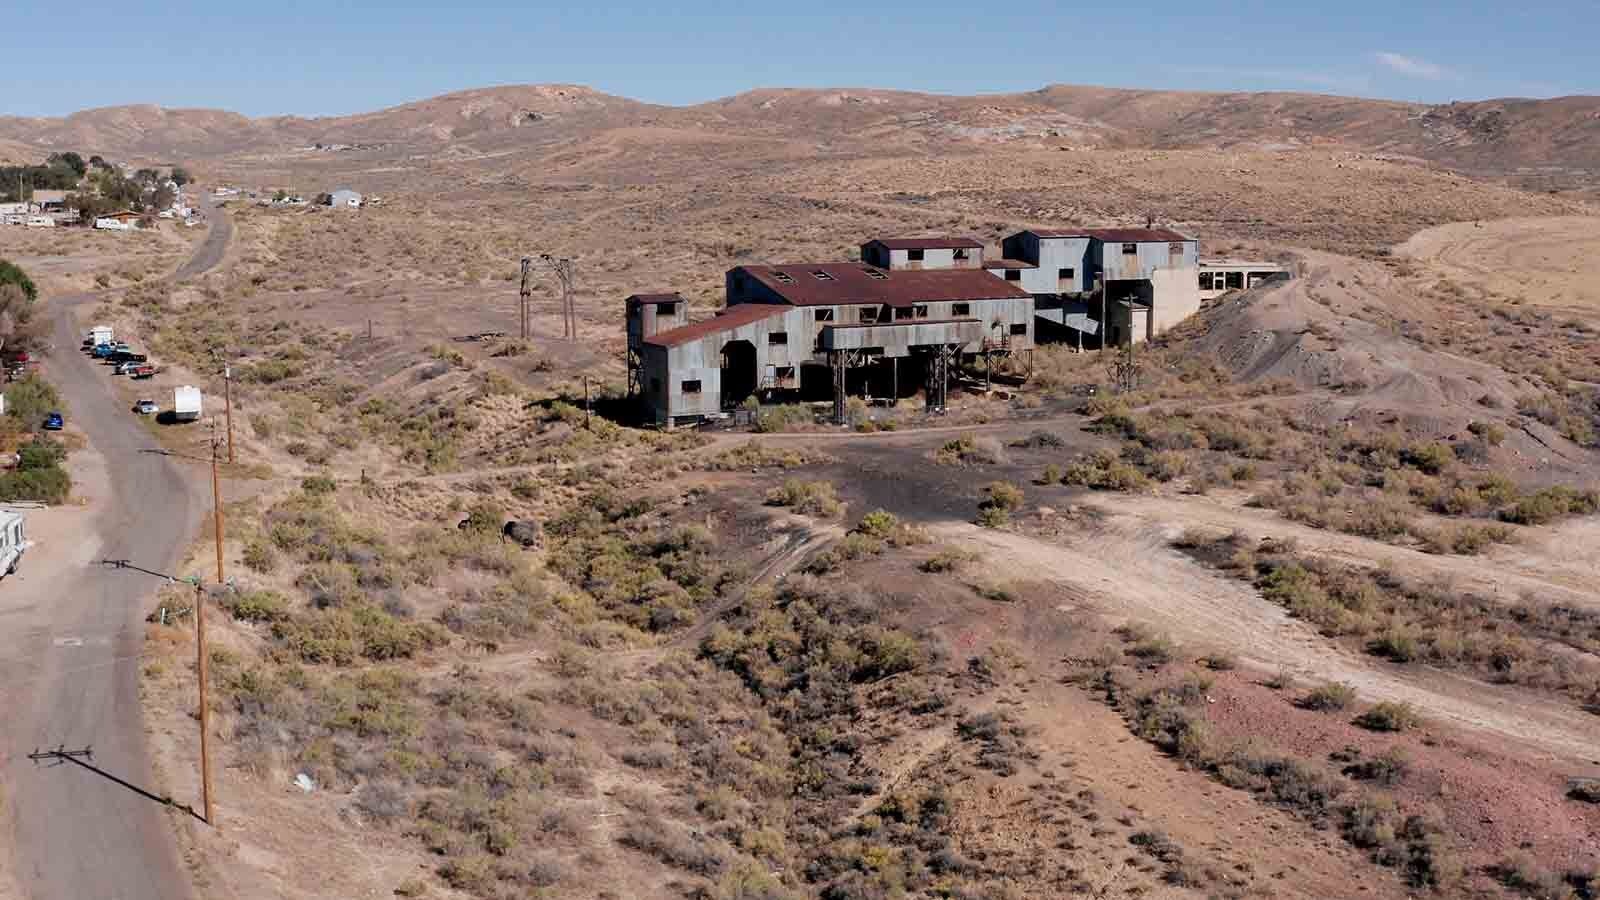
x,y
70,635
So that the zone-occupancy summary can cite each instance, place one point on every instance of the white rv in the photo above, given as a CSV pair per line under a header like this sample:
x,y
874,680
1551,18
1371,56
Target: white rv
x,y
186,403
12,541
100,334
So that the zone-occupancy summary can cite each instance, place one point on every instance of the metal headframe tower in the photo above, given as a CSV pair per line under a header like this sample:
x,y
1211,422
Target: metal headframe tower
x,y
566,273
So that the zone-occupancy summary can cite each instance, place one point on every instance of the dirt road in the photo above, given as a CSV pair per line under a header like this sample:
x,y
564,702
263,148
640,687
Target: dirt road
x,y
1549,262
1128,569
71,632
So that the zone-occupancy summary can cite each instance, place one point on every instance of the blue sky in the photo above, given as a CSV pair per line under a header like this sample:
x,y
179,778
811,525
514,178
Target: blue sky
x,y
327,58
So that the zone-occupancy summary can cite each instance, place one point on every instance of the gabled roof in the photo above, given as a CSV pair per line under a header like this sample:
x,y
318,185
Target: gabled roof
x,y
1113,235
1009,264
849,284
730,318
943,242
653,299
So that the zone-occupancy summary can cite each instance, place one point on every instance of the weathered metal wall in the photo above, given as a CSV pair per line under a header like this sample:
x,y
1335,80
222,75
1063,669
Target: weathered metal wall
x,y
1151,255
935,259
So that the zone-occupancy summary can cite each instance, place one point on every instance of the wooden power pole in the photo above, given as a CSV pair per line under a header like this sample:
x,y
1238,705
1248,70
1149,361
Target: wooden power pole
x,y
524,296
200,642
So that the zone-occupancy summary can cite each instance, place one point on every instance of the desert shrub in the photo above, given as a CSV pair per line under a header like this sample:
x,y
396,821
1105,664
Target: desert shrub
x,y
318,485
383,800
1050,475
1104,471
1432,457
947,560
672,845
1389,716
1164,716
259,556
1584,789
1395,643
971,450
256,606
485,516
811,498
1003,495
774,417
1295,783
1155,650
1330,697
650,756
1526,875
1221,662
1040,440
1488,432
878,524
1387,768
1550,504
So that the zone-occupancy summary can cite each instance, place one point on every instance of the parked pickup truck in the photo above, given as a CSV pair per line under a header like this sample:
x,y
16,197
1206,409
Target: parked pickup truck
x,y
125,356
143,372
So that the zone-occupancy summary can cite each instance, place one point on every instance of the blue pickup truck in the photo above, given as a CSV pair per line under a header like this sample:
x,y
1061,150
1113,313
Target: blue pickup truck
x,y
54,422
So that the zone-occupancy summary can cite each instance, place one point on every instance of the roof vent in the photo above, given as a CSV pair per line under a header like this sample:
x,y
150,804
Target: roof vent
x,y
874,273
821,275
783,277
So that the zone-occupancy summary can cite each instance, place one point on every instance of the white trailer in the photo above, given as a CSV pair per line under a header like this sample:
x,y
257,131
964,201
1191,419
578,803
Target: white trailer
x,y
12,541
100,334
186,403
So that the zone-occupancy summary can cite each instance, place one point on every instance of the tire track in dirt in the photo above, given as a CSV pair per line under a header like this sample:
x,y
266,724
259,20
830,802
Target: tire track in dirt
x,y
1129,570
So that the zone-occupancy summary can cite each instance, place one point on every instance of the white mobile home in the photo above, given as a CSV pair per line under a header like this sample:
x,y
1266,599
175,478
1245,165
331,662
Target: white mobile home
x,y
12,541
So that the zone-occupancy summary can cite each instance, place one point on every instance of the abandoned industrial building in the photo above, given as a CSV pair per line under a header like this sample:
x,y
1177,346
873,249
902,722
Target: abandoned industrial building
x,y
907,316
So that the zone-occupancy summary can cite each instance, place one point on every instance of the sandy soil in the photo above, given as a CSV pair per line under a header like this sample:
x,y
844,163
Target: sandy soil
x,y
1551,262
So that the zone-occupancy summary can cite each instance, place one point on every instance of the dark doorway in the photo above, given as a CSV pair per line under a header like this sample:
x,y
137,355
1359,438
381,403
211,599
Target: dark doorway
x,y
739,377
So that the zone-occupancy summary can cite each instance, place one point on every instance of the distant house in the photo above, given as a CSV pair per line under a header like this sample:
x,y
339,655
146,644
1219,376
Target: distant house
x,y
344,198
50,201
118,221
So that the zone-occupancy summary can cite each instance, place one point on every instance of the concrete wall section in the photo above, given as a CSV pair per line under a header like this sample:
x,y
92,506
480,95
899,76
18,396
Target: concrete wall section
x,y
1176,296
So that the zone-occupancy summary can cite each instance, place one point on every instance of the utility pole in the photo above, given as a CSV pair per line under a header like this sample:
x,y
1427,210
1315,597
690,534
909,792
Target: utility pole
x,y
227,393
205,696
202,663
216,496
524,297
586,408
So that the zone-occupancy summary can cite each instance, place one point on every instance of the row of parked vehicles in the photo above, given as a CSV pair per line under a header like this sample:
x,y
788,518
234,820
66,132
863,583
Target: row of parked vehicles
x,y
102,344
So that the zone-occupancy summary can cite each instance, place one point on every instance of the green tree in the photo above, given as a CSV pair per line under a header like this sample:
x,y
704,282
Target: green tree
x,y
181,176
70,160
11,273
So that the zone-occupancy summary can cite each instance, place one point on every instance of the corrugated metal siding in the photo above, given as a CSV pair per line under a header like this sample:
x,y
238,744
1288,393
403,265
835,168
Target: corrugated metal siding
x,y
1151,256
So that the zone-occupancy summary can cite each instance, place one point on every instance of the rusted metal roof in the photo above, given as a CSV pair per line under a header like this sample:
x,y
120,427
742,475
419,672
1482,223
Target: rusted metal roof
x,y
939,242
1114,235
730,318
851,284
1009,264
652,299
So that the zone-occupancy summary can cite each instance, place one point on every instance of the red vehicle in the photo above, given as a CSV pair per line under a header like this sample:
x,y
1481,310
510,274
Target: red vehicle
x,y
143,372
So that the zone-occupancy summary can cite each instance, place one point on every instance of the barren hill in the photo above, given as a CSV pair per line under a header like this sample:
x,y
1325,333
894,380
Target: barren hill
x,y
1543,143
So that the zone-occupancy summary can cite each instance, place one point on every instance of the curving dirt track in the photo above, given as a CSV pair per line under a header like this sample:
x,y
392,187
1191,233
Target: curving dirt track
x,y
1549,262
1127,569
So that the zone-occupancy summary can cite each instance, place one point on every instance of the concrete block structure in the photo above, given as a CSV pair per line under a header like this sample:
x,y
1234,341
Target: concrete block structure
x,y
837,328
906,315
1221,276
